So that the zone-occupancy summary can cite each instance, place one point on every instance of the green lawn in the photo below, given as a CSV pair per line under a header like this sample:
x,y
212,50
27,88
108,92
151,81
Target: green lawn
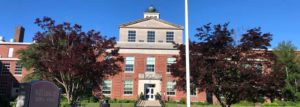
x,y
168,105
111,105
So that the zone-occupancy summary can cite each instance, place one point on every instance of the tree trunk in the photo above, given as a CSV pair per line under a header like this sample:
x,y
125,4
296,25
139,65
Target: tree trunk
x,y
223,104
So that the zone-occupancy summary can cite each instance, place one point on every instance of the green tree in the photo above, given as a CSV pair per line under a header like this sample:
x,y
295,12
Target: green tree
x,y
286,57
75,60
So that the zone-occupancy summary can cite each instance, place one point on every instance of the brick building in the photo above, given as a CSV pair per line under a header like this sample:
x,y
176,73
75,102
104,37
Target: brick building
x,y
11,73
148,49
147,46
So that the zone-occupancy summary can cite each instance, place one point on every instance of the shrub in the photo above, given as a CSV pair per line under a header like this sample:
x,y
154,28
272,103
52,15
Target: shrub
x,y
274,104
245,103
113,101
200,103
285,103
182,101
64,104
126,101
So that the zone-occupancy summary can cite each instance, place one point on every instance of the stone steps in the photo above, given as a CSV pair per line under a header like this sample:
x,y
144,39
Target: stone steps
x,y
149,103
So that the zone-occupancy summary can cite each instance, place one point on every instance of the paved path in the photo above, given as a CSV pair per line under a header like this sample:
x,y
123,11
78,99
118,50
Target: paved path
x,y
147,103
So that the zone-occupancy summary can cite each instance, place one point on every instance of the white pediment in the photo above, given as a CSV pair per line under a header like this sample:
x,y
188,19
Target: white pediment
x,y
153,23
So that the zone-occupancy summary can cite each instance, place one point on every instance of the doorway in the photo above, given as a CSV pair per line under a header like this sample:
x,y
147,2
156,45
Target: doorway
x,y
149,91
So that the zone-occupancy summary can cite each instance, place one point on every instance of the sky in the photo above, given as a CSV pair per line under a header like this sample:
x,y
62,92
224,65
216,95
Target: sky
x,y
279,17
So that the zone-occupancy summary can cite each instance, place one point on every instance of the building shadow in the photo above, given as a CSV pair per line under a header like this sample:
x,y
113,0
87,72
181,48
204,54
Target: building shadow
x,y
9,85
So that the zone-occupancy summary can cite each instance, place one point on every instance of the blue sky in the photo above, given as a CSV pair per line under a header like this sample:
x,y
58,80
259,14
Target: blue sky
x,y
279,17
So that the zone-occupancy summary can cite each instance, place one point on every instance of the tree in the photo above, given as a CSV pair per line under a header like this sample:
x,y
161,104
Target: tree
x,y
75,60
231,71
287,57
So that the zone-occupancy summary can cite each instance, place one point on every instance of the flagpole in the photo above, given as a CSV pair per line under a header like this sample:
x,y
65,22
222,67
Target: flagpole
x,y
187,56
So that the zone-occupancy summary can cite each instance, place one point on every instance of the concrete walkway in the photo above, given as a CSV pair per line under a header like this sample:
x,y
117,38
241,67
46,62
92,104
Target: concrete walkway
x,y
148,103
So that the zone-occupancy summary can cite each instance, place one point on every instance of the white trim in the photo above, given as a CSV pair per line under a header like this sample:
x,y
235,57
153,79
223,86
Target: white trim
x,y
18,75
10,59
15,43
149,51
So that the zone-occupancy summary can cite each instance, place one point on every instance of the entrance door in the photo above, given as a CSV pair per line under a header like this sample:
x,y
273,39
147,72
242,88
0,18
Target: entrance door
x,y
150,93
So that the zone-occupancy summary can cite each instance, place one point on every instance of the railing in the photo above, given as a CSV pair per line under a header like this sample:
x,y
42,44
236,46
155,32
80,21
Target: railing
x,y
150,76
139,100
161,101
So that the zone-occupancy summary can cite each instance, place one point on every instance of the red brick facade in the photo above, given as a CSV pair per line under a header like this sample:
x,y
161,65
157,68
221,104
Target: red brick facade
x,y
140,67
9,82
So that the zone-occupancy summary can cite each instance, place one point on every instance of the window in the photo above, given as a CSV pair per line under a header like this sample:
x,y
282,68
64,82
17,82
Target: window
x,y
128,87
193,90
150,64
131,36
18,69
5,68
129,64
10,52
170,88
151,36
259,68
106,89
170,61
170,37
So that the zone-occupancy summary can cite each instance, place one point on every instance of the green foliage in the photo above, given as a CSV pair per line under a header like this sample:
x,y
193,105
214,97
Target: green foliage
x,y
200,103
32,76
182,101
28,56
64,104
118,100
287,58
270,105
245,103
126,101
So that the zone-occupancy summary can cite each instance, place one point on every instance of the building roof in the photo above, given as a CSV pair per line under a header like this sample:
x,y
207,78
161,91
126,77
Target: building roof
x,y
151,9
149,18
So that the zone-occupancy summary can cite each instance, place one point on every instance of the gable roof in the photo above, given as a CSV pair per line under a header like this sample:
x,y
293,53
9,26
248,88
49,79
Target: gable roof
x,y
146,19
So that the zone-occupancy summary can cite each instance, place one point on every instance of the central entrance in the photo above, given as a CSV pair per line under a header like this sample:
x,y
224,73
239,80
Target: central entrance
x,y
149,91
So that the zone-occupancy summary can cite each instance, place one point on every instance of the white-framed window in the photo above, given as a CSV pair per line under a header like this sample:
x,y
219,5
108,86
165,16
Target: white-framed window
x,y
129,64
106,89
131,36
10,52
5,68
128,87
169,37
171,88
18,69
150,36
170,61
150,64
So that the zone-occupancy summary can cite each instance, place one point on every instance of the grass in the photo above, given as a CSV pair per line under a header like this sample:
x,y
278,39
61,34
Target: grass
x,y
111,105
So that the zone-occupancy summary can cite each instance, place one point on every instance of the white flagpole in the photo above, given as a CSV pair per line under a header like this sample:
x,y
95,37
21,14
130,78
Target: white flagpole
x,y
187,56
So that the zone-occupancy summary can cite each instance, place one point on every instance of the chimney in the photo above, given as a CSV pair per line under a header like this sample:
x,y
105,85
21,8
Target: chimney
x,y
19,34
